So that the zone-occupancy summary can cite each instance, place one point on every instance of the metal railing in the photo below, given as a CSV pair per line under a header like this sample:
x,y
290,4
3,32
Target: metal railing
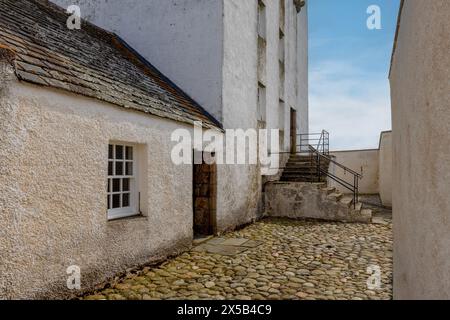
x,y
320,140
317,146
320,159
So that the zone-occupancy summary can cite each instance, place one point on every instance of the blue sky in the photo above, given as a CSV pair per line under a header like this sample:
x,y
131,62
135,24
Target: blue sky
x,y
349,66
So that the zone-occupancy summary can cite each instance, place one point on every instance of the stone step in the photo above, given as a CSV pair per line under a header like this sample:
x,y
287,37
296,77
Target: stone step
x,y
380,220
296,169
335,196
308,159
291,167
295,165
299,173
347,201
366,215
300,157
301,164
358,207
299,179
329,190
307,163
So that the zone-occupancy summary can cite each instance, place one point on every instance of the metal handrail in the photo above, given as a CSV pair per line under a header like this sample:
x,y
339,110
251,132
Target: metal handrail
x,y
328,158
322,139
356,176
321,153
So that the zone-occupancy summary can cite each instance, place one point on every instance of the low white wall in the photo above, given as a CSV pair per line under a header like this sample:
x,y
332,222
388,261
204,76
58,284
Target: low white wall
x,y
375,166
361,161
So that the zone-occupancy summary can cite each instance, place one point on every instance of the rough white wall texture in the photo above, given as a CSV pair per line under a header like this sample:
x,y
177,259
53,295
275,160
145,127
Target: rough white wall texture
x,y
239,101
182,38
209,48
296,66
53,160
240,84
186,40
385,169
361,161
290,86
420,89
302,72
56,217
272,66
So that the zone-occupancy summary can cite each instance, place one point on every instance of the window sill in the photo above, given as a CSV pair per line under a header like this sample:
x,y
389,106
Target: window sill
x,y
137,216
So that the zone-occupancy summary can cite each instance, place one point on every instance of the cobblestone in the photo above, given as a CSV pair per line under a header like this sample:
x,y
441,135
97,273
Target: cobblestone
x,y
295,260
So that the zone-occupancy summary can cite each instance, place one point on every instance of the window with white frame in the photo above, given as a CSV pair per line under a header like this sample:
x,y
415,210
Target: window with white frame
x,y
123,199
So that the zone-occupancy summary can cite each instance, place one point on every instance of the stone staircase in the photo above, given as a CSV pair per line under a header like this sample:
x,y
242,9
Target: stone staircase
x,y
303,168
312,201
303,192
356,212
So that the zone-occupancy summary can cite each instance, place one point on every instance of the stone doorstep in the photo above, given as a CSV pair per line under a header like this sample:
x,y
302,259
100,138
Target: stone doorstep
x,y
215,241
227,246
380,220
234,242
198,241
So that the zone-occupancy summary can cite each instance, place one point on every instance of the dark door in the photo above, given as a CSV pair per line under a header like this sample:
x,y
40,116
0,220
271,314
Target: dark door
x,y
293,131
204,193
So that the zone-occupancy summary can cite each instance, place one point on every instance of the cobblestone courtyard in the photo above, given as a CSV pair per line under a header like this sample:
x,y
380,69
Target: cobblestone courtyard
x,y
294,260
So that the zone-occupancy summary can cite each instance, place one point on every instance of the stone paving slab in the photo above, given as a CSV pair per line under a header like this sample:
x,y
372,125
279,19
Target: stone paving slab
x,y
218,240
234,242
380,220
201,240
295,260
252,244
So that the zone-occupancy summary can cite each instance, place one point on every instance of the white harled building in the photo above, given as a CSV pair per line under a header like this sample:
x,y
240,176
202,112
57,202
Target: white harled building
x,y
87,178
243,61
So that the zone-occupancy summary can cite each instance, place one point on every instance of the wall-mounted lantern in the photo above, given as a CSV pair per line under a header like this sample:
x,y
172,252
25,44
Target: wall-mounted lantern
x,y
299,4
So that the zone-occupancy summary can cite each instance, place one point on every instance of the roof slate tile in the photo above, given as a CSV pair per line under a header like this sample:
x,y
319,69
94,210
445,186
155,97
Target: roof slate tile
x,y
90,61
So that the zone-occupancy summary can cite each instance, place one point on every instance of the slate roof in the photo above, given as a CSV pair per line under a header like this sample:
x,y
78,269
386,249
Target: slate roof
x,y
91,62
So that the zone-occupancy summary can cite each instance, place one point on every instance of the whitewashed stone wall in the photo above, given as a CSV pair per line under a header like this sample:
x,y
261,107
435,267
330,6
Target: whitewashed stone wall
x,y
365,162
53,214
182,38
385,167
209,48
302,200
374,165
420,87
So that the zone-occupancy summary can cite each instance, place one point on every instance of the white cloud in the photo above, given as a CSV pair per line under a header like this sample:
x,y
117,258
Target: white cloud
x,y
352,105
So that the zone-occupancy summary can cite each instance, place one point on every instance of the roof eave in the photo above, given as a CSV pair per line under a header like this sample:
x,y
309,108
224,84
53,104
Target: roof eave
x,y
147,64
394,49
